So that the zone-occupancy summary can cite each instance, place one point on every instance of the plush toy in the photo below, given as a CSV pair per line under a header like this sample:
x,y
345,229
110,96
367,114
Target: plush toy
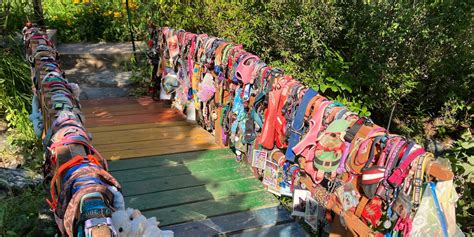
x,y
152,229
122,223
131,223
119,203
138,226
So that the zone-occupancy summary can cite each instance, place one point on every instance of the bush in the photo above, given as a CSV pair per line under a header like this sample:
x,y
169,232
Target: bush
x,y
20,215
416,55
15,97
14,14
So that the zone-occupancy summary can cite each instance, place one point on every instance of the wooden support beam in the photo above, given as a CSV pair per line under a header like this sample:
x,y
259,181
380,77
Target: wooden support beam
x,y
439,171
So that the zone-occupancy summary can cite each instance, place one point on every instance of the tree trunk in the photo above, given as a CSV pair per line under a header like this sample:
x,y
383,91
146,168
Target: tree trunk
x,y
39,18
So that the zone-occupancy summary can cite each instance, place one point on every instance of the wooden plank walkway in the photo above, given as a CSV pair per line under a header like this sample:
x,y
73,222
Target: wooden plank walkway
x,y
172,169
127,127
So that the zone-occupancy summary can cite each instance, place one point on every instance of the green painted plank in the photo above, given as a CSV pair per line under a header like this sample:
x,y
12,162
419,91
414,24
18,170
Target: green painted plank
x,y
206,209
233,223
184,181
194,194
185,157
174,169
292,229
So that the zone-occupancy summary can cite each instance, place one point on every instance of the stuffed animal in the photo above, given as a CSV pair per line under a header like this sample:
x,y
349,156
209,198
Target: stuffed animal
x,y
122,223
131,223
119,203
138,226
152,229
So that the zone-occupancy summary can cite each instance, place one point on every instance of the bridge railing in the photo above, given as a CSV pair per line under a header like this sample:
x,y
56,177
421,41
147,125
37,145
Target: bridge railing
x,y
85,198
293,137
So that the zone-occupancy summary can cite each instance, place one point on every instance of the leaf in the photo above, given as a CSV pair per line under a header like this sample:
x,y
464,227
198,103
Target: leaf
x,y
323,87
334,88
467,145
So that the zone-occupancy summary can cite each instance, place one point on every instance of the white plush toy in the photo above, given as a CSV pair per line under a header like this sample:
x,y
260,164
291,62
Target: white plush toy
x,y
119,203
131,223
122,223
138,226
152,229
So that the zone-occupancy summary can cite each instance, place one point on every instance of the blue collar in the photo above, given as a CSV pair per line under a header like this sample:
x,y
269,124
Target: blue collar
x,y
297,126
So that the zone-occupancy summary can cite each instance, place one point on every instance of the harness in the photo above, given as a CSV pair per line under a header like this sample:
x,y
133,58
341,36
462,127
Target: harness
x,y
267,138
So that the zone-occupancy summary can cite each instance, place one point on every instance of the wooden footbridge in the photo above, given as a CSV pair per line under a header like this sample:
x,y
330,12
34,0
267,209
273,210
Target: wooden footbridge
x,y
172,169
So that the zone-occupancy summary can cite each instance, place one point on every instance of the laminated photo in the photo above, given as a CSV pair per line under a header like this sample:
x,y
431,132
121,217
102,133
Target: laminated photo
x,y
270,176
299,202
313,213
285,189
259,159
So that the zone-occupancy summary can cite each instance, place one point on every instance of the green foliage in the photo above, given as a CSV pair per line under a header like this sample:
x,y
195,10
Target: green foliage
x,y
15,97
461,156
19,215
100,20
14,14
418,55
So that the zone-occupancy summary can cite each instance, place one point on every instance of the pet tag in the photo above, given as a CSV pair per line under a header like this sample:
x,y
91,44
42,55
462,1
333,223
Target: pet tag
x,y
387,224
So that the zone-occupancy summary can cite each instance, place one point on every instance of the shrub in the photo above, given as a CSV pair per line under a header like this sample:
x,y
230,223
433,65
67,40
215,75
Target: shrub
x,y
15,97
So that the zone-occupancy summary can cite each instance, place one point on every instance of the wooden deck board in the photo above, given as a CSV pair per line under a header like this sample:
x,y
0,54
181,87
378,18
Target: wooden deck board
x,y
173,169
232,223
108,113
169,159
184,181
150,144
172,149
135,119
127,127
178,197
138,135
145,100
206,209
